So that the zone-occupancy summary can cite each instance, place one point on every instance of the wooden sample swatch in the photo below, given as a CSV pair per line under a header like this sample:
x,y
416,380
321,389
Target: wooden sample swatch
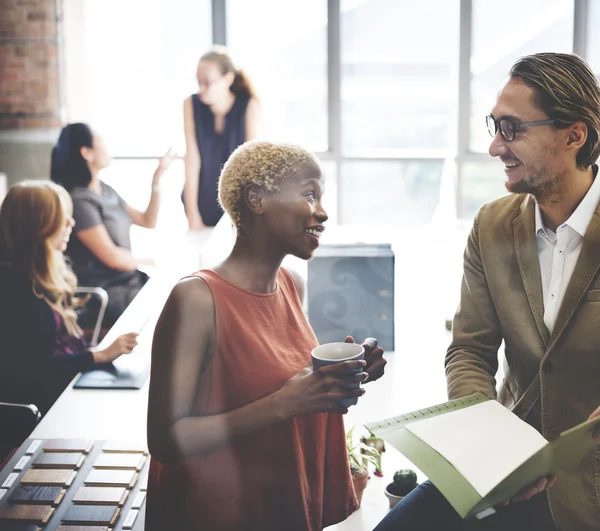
x,y
37,494
124,461
130,519
101,496
68,445
59,460
39,476
128,447
111,478
91,515
27,513
81,528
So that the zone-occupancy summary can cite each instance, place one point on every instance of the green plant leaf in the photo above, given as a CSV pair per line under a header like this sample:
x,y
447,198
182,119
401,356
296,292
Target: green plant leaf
x,y
359,453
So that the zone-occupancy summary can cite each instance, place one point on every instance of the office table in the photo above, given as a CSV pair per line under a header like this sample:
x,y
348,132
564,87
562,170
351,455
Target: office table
x,y
122,414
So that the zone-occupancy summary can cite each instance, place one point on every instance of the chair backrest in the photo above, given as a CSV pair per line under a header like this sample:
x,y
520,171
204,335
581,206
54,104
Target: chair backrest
x,y
102,296
17,421
3,186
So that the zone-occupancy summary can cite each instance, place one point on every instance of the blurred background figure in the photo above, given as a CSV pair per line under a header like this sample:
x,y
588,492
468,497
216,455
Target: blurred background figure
x,y
222,115
101,249
42,345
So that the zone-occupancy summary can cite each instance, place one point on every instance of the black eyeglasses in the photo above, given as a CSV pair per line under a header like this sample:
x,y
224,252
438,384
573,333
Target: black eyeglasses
x,y
508,128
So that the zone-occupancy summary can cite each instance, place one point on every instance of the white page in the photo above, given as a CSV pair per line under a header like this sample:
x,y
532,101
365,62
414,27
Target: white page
x,y
484,442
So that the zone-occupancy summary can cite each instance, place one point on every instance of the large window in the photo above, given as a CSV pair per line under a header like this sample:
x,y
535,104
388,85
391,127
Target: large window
x,y
402,192
138,68
399,61
592,35
499,37
283,48
389,93
399,64
479,182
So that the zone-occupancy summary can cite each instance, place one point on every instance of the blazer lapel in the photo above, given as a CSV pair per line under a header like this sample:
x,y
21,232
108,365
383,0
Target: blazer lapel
x,y
529,264
585,271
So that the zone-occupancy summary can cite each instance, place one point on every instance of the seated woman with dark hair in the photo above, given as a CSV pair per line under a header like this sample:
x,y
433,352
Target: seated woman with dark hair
x,y
101,250
41,346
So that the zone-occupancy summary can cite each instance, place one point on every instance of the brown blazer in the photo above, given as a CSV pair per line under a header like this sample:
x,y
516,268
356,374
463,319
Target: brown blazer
x,y
501,299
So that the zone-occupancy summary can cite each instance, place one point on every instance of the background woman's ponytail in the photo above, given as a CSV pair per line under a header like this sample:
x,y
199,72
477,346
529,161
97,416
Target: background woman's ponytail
x,y
241,84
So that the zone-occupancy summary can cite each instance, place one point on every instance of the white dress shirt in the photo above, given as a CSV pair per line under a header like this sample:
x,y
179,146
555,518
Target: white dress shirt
x,y
558,251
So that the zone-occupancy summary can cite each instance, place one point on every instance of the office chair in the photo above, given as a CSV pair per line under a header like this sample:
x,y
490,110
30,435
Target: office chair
x,y
93,334
17,421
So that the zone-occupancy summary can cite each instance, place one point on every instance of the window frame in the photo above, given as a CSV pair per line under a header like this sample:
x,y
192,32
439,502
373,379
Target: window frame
x,y
459,152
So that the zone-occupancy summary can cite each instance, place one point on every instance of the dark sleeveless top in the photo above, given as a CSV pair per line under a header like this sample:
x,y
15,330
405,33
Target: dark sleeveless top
x,y
215,149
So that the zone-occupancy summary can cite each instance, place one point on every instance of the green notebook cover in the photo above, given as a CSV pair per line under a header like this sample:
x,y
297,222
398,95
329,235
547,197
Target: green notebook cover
x,y
557,456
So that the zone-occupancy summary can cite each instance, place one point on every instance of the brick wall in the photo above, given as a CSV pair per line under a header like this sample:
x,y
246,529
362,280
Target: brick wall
x,y
29,74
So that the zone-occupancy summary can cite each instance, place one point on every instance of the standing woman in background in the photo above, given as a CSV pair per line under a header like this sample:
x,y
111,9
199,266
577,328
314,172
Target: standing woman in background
x,y
221,116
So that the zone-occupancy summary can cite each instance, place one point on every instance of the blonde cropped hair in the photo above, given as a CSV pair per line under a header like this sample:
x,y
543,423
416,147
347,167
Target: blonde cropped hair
x,y
265,164
32,214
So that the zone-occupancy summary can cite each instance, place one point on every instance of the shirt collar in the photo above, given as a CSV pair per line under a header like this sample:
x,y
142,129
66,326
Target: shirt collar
x,y
539,221
580,219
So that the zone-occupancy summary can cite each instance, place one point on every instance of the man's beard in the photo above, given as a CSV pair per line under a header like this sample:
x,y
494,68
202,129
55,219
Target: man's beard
x,y
542,191
527,185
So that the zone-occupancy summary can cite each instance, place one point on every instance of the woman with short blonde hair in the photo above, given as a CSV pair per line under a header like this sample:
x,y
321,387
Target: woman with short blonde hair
x,y
243,433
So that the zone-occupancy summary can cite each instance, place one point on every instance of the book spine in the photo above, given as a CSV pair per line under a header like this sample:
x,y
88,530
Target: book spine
x,y
431,411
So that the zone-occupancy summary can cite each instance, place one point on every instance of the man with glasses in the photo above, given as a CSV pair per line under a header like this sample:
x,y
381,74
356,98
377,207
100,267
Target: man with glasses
x,y
531,279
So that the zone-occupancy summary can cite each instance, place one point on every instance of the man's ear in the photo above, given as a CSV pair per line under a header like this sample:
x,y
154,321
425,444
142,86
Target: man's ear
x,y
578,133
254,198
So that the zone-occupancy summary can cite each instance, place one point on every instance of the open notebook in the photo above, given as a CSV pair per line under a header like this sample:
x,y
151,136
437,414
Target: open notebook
x,y
478,453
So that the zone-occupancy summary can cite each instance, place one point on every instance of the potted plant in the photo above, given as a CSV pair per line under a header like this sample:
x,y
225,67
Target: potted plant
x,y
359,456
379,445
405,480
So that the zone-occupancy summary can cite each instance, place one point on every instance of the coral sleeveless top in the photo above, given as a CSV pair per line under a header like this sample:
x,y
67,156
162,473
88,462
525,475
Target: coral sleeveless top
x,y
290,476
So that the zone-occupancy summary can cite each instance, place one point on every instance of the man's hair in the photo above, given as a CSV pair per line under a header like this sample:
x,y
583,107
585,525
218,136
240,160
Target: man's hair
x,y
567,90
265,164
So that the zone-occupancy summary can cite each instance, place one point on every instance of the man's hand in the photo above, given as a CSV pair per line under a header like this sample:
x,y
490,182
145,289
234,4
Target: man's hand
x,y
546,483
529,492
374,358
595,414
